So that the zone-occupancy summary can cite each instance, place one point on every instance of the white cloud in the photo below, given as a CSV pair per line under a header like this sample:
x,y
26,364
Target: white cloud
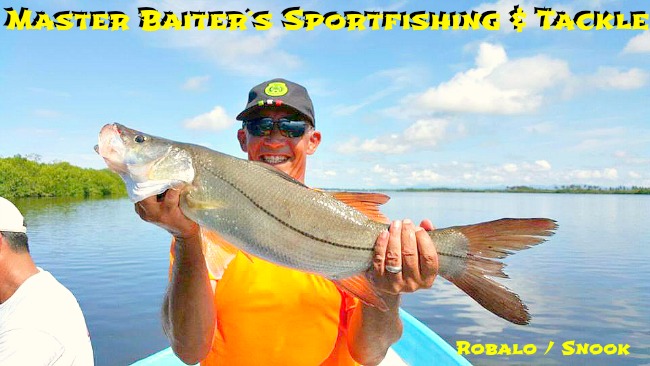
x,y
496,85
215,120
510,168
542,165
424,176
613,78
638,44
196,83
605,173
607,78
423,134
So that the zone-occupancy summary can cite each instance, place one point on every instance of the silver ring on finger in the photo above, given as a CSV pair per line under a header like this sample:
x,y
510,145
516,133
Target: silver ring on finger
x,y
394,269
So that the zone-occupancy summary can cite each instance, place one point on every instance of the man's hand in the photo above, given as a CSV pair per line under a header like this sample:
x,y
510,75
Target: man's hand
x,y
407,247
164,211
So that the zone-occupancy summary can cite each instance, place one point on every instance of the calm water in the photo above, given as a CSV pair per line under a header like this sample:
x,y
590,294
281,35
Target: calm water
x,y
589,283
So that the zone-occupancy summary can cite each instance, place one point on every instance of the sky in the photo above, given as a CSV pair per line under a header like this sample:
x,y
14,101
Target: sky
x,y
397,108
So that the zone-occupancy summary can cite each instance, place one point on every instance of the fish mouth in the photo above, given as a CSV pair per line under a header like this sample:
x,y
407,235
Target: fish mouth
x,y
111,147
274,159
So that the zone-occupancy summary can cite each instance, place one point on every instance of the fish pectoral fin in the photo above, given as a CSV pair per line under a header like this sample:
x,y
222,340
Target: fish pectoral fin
x,y
359,287
217,252
366,203
203,205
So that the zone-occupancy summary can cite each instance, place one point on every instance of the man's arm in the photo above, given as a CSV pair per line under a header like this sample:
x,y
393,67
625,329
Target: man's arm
x,y
188,314
372,331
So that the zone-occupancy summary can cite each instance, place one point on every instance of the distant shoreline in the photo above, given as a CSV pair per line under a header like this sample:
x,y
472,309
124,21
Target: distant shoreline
x,y
27,177
518,189
524,189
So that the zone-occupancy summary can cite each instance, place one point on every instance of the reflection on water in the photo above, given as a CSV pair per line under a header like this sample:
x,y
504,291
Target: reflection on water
x,y
588,283
113,262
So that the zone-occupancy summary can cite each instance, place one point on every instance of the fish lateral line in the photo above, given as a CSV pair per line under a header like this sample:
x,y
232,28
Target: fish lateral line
x,y
286,224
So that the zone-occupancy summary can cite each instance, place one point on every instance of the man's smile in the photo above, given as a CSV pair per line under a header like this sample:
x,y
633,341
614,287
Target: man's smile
x,y
274,159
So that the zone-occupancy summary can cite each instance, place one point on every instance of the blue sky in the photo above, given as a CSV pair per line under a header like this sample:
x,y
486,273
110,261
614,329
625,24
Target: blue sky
x,y
397,108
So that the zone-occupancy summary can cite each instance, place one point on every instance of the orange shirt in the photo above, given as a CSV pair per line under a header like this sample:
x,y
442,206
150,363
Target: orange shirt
x,y
272,315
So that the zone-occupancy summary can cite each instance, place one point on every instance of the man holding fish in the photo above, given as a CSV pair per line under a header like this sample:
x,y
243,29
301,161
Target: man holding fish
x,y
255,312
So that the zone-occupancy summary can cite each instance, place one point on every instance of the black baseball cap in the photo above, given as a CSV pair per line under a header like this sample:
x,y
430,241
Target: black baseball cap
x,y
279,92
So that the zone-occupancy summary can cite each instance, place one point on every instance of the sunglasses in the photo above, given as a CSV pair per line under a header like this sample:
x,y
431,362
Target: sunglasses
x,y
264,126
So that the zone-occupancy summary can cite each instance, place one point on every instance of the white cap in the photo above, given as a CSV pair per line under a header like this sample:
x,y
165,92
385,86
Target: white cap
x,y
10,218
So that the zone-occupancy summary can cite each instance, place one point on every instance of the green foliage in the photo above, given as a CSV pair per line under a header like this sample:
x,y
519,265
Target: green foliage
x,y
575,188
21,177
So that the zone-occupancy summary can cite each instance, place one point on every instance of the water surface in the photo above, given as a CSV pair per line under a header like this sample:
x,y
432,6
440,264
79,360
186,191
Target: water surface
x,y
588,283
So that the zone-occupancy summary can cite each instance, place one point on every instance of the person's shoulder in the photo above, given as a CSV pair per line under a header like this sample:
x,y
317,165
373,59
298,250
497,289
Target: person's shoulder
x,y
43,290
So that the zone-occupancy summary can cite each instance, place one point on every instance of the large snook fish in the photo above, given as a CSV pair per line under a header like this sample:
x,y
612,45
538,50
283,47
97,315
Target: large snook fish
x,y
268,214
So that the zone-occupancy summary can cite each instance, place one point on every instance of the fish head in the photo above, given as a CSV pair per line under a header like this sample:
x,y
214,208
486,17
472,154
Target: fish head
x,y
148,164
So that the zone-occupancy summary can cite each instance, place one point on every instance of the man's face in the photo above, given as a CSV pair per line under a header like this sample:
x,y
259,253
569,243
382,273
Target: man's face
x,y
287,154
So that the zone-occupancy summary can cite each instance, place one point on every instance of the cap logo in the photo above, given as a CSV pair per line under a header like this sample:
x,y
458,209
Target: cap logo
x,y
276,89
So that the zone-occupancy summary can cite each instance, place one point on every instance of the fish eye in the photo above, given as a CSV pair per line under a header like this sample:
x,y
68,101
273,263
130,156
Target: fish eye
x,y
139,139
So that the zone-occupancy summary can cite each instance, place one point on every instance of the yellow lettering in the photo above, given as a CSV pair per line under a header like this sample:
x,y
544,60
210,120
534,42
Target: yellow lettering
x,y
313,20
391,20
610,349
638,21
218,20
20,21
419,21
567,348
171,21
262,20
604,21
623,349
621,23
504,349
42,20
584,20
563,20
477,349
471,20
545,15
373,18
490,20
119,20
81,19
199,20
149,19
63,21
530,349
99,21
237,21
442,20
582,349
334,21
292,18
462,347
355,21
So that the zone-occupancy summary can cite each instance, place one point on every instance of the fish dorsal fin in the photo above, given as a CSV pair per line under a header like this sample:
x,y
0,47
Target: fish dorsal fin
x,y
277,172
359,287
217,252
366,203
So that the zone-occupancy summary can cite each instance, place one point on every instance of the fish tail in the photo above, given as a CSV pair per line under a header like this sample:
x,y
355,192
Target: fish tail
x,y
468,257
